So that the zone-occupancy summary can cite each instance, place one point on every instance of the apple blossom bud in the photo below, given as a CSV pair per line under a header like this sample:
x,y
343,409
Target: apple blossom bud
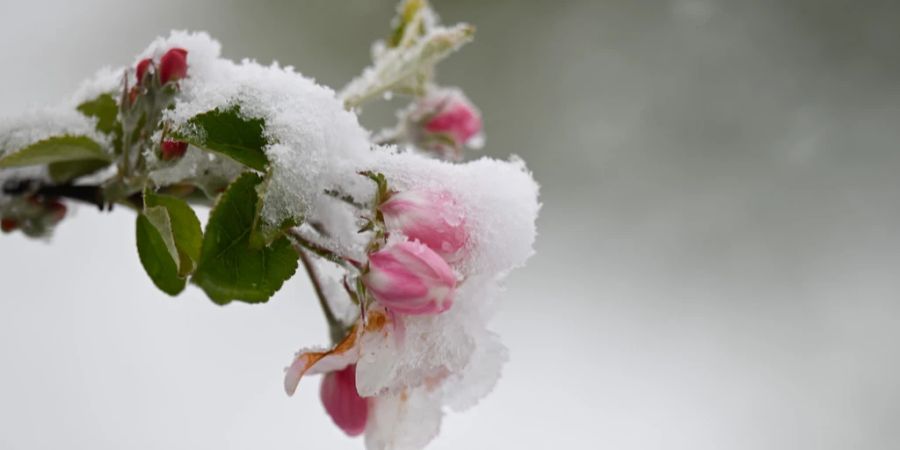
x,y
173,65
347,409
443,122
431,217
410,278
173,149
141,69
8,225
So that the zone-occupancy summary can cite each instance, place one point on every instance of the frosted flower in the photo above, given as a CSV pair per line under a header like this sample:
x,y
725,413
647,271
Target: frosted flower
x,y
431,217
408,368
410,278
443,122
404,419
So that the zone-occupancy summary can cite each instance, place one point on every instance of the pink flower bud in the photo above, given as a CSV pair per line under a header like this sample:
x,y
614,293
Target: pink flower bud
x,y
173,149
173,65
443,122
433,218
410,278
347,409
141,69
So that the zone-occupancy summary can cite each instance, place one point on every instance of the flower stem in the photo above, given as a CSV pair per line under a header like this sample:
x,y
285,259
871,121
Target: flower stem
x,y
335,328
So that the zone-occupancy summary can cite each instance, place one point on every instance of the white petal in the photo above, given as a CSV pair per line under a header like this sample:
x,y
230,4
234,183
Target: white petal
x,y
407,420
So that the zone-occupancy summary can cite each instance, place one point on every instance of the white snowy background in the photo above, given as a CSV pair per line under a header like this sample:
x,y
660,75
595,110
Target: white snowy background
x,y
718,263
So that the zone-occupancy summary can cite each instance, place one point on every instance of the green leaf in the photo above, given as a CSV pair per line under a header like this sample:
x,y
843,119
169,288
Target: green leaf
x,y
157,251
185,229
55,149
229,133
65,171
105,110
229,267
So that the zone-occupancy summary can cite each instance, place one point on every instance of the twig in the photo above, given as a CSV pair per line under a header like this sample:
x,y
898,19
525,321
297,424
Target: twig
x,y
335,327
346,198
89,194
322,251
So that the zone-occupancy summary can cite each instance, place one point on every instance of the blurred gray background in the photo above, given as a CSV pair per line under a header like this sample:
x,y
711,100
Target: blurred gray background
x,y
718,256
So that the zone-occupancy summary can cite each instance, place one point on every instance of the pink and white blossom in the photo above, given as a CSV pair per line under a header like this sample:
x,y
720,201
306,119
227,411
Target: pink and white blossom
x,y
433,218
410,278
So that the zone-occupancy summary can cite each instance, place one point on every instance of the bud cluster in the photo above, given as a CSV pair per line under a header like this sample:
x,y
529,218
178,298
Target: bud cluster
x,y
155,87
34,215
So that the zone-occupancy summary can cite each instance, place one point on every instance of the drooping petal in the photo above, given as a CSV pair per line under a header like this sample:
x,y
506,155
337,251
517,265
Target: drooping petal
x,y
346,352
311,361
343,403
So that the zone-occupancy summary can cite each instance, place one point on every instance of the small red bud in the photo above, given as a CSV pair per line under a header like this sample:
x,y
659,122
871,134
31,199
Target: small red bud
x,y
173,149
57,209
141,69
8,225
173,65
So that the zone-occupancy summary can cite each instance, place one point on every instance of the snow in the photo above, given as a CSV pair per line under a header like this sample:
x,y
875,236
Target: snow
x,y
29,127
211,172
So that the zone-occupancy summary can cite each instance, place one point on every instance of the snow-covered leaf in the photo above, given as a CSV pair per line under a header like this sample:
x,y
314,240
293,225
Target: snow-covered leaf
x,y
407,69
106,111
55,149
228,132
409,21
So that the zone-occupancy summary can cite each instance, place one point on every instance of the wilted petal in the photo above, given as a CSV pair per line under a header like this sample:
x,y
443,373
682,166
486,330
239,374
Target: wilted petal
x,y
322,361
346,352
